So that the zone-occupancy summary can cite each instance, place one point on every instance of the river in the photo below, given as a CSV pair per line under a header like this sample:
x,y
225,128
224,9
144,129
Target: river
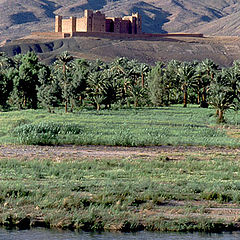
x,y
45,234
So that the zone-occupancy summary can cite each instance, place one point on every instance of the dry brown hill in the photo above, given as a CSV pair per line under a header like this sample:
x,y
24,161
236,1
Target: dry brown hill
x,y
20,17
229,25
223,50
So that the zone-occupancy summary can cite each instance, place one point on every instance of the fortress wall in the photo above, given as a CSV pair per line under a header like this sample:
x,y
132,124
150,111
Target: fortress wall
x,y
98,22
143,36
81,24
58,24
109,25
125,26
139,25
134,26
66,25
117,25
51,35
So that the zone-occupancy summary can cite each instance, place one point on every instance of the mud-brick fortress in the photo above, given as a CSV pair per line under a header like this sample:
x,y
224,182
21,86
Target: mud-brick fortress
x,y
98,23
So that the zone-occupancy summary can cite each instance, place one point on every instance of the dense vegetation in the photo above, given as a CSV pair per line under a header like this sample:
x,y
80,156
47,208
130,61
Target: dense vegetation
x,y
26,83
127,194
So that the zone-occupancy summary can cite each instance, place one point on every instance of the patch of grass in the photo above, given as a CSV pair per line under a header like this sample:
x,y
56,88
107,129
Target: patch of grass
x,y
46,133
126,127
125,195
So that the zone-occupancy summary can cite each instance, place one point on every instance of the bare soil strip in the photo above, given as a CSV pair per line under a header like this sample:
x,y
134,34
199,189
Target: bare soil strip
x,y
107,152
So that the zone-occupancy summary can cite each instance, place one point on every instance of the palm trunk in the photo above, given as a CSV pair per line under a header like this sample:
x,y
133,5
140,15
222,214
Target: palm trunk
x,y
204,103
185,97
198,97
66,106
220,116
98,106
81,100
143,82
72,106
136,103
24,101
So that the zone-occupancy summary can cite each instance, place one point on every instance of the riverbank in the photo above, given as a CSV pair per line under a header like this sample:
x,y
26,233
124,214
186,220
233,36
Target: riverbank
x,y
161,192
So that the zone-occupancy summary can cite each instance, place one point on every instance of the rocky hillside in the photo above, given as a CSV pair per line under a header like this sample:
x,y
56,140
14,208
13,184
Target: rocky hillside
x,y
221,17
222,50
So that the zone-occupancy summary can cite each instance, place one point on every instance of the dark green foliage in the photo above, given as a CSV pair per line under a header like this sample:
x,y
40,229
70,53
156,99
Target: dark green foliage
x,y
63,74
205,73
6,86
222,93
25,80
158,82
47,91
123,83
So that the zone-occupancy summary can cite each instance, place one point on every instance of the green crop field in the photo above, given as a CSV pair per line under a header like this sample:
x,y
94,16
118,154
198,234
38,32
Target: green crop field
x,y
126,127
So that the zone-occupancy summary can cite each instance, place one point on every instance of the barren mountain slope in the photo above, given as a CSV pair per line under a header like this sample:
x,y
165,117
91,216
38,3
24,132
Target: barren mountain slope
x,y
223,50
20,17
229,25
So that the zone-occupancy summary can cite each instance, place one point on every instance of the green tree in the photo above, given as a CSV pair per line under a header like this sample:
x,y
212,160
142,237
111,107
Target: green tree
x,y
157,82
47,91
63,74
205,72
221,94
97,88
25,80
80,72
185,73
6,86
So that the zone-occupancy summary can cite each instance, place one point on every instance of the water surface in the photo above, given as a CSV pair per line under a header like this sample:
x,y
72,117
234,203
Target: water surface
x,y
45,234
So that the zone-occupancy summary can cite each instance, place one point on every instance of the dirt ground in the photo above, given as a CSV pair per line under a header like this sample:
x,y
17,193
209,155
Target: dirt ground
x,y
59,153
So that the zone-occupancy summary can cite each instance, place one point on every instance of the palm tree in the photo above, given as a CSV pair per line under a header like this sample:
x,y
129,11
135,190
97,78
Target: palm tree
x,y
221,94
144,70
205,72
63,63
81,70
96,88
185,73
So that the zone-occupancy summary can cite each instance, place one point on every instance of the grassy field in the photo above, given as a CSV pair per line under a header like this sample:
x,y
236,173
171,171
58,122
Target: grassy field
x,y
200,192
128,194
132,127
